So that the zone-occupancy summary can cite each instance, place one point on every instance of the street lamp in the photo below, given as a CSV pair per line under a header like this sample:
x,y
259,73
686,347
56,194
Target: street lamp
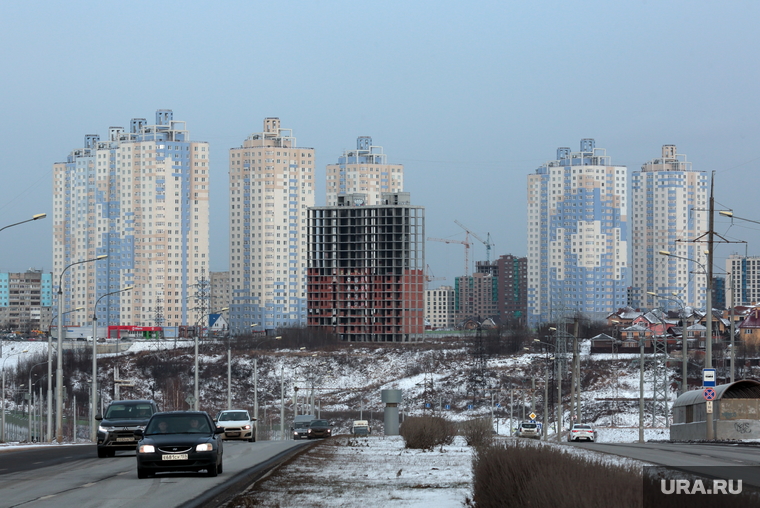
x,y
59,362
255,385
195,381
34,217
49,431
29,405
709,315
2,427
94,392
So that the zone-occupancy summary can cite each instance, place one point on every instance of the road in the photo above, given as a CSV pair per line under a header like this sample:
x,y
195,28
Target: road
x,y
688,456
72,475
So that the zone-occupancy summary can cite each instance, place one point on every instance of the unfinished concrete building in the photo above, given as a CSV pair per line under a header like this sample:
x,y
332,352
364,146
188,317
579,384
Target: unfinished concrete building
x,y
365,280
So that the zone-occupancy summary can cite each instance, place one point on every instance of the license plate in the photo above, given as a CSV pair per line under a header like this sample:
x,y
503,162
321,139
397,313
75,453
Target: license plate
x,y
174,456
125,439
233,434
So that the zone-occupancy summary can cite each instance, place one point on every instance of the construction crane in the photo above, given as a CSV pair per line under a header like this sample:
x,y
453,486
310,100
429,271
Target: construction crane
x,y
487,243
429,277
466,244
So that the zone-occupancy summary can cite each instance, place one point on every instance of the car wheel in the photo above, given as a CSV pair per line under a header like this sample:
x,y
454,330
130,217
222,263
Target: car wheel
x,y
219,467
111,453
102,453
142,473
212,471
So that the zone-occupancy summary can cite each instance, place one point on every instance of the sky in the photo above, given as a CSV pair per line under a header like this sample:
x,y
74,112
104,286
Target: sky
x,y
470,98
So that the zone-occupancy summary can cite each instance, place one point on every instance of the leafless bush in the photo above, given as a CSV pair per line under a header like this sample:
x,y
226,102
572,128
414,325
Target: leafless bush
x,y
477,432
427,432
518,475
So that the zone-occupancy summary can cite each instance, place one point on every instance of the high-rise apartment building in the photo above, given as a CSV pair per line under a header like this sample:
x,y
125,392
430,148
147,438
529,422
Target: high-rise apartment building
x,y
26,301
363,171
141,198
669,212
743,280
577,230
366,273
439,307
511,273
271,189
476,297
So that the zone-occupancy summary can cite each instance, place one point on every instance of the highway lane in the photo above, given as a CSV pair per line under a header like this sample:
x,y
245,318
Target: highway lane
x,y
76,477
692,457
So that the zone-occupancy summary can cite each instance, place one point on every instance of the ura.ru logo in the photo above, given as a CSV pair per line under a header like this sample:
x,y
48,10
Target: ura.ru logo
x,y
700,487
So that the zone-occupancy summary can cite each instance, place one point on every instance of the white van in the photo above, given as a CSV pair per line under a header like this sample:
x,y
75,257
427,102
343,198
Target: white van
x,y
360,428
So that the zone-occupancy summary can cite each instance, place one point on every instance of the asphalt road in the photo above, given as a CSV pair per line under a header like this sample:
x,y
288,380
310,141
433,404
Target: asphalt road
x,y
693,457
72,476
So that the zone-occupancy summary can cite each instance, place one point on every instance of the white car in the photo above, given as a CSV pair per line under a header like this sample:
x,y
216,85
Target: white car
x,y
582,431
237,424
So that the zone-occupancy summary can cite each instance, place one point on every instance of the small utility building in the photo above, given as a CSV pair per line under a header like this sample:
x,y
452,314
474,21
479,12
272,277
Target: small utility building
x,y
736,413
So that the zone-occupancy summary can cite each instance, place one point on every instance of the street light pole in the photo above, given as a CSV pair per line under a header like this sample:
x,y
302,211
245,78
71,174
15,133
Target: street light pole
x,y
94,392
59,359
49,431
34,217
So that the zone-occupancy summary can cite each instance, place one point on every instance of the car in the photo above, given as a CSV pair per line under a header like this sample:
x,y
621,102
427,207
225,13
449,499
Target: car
x,y
528,429
237,424
300,426
178,441
122,418
318,428
581,431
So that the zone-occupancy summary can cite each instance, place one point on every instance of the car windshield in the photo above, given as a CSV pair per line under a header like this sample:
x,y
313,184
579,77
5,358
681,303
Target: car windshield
x,y
233,416
300,425
583,427
319,423
528,425
129,411
182,424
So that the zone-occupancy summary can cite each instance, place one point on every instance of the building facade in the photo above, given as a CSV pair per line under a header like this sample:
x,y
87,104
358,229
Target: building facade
x,y
743,280
366,274
439,308
271,189
220,293
476,297
669,212
139,197
363,171
512,281
26,301
577,228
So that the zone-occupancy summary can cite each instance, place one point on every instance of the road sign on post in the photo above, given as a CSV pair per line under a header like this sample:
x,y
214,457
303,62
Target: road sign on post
x,y
709,394
708,377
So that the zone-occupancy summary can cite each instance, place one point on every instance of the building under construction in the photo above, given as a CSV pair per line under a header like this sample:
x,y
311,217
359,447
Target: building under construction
x,y
365,280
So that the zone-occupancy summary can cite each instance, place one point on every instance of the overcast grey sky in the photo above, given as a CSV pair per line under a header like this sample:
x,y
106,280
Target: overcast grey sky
x,y
470,96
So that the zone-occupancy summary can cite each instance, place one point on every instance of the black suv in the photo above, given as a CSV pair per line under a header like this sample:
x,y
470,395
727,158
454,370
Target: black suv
x,y
117,428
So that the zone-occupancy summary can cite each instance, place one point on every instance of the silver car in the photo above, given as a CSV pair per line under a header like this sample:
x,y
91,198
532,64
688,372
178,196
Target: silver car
x,y
237,424
581,431
528,429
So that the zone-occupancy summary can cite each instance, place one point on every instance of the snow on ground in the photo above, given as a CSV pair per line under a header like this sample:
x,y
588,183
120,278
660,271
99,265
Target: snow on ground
x,y
369,472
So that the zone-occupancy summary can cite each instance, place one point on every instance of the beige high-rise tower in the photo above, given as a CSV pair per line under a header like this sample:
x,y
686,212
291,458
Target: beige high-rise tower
x,y
363,171
271,188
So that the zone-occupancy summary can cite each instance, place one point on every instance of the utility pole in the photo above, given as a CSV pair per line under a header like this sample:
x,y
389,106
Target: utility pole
x,y
708,344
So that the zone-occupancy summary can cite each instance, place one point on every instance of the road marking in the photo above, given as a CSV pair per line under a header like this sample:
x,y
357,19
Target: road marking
x,y
48,496
89,484
40,462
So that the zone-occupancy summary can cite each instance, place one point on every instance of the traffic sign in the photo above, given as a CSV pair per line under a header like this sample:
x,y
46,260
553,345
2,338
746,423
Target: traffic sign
x,y
709,407
469,406
532,416
708,377
709,394
498,405
447,406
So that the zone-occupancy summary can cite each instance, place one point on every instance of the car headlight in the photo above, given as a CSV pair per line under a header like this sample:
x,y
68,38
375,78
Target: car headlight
x,y
147,448
246,427
105,429
308,431
204,447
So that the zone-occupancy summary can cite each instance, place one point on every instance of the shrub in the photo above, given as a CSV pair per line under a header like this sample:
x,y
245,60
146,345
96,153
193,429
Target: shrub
x,y
477,432
542,476
427,432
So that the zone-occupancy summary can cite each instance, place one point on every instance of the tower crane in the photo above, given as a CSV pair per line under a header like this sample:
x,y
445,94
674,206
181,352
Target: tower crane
x,y
430,277
487,243
466,244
